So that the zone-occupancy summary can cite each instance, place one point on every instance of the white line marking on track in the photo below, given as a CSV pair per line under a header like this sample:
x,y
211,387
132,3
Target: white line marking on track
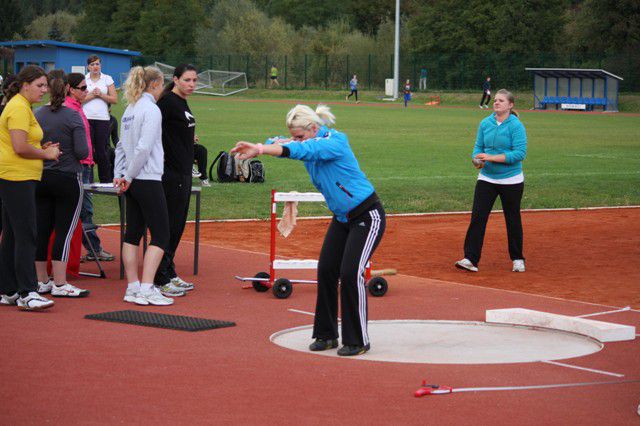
x,y
608,373
301,312
510,388
626,308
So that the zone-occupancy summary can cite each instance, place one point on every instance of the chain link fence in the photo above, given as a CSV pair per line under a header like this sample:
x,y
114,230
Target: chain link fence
x,y
465,71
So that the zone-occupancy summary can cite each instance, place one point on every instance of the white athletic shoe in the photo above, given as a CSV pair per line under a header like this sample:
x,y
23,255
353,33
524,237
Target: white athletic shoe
x,y
171,290
205,183
33,302
45,287
518,265
68,290
131,296
481,107
9,300
182,284
154,297
194,172
466,265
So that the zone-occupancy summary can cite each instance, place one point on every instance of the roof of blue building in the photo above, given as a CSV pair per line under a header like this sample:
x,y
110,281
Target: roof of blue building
x,y
572,72
46,43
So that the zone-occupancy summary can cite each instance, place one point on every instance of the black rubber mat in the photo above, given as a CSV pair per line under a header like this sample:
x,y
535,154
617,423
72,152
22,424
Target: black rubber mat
x,y
152,319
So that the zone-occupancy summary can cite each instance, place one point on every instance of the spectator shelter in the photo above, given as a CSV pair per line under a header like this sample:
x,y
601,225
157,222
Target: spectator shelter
x,y
575,89
69,57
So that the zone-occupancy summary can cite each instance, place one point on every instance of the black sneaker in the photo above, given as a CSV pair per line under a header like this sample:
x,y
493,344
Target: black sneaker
x,y
352,350
323,345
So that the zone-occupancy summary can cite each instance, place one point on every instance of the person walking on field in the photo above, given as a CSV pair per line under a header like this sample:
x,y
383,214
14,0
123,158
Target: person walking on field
x,y
274,77
407,93
500,148
423,79
353,85
486,93
354,233
138,173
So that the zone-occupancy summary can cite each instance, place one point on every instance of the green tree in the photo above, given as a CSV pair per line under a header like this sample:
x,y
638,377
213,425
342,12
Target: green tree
x,y
167,29
124,25
312,13
58,26
11,19
95,25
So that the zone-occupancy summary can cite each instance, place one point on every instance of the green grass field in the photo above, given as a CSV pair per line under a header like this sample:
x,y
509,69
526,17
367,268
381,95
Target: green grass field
x,y
419,159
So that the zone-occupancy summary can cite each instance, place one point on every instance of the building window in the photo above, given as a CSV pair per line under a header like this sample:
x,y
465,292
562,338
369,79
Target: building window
x,y
49,66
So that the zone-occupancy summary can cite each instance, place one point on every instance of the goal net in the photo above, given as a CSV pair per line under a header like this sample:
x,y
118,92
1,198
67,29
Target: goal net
x,y
212,82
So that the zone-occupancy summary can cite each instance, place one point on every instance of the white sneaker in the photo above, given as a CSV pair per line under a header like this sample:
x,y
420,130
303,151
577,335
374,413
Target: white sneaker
x,y
154,297
68,290
45,287
131,296
33,302
486,107
480,106
182,284
194,172
205,183
8,300
518,265
171,290
466,265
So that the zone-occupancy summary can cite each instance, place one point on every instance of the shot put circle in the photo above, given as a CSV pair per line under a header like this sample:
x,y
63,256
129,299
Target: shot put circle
x,y
454,342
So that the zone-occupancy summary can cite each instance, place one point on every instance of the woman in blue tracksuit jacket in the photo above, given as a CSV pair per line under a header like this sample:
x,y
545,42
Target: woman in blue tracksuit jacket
x,y
355,230
501,146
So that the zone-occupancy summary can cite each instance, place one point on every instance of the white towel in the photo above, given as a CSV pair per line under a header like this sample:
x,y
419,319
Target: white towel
x,y
288,221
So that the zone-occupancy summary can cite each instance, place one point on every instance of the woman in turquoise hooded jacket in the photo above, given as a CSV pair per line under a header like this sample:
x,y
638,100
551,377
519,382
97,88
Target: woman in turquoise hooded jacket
x,y
501,146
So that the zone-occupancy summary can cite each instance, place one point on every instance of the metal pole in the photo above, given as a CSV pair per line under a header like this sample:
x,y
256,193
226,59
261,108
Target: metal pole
x,y
396,62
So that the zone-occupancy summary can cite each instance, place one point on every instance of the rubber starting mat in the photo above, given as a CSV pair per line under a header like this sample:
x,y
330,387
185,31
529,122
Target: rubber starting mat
x,y
152,319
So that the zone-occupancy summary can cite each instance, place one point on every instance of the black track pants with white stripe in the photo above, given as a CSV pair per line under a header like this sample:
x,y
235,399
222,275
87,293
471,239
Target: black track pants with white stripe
x,y
58,204
345,252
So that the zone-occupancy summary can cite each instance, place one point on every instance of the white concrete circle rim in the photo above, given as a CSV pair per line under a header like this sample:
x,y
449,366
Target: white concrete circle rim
x,y
454,342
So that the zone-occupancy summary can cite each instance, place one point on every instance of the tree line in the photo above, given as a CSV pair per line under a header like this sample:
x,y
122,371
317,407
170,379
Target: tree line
x,y
171,29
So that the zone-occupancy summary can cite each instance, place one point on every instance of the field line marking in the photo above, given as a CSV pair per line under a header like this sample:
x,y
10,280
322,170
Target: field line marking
x,y
533,387
592,370
626,308
301,312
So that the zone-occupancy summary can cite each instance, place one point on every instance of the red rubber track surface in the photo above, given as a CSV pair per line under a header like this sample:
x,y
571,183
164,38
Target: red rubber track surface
x,y
63,369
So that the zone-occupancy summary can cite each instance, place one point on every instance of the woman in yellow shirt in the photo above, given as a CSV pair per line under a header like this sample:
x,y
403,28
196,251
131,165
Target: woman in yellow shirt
x,y
21,156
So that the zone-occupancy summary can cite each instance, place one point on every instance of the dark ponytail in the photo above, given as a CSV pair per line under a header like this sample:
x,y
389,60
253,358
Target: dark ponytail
x,y
5,87
57,80
177,72
28,74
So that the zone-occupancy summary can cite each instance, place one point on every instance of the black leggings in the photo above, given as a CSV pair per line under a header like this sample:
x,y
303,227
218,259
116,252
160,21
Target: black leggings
x,y
18,245
486,96
100,140
147,208
58,203
353,92
483,199
200,155
345,252
177,192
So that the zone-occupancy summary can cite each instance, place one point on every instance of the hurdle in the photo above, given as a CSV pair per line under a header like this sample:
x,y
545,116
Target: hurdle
x,y
283,287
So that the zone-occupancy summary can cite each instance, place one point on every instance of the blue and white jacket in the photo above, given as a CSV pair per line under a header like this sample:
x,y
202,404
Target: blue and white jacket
x,y
509,138
333,169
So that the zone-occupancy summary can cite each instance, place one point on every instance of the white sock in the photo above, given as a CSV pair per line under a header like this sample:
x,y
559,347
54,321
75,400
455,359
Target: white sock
x,y
134,286
146,287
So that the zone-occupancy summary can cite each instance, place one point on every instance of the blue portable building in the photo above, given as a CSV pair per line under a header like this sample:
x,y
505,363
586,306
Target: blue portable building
x,y
70,57
576,89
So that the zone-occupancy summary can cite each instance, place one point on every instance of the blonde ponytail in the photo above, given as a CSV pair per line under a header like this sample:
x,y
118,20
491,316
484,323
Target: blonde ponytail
x,y
302,116
138,81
